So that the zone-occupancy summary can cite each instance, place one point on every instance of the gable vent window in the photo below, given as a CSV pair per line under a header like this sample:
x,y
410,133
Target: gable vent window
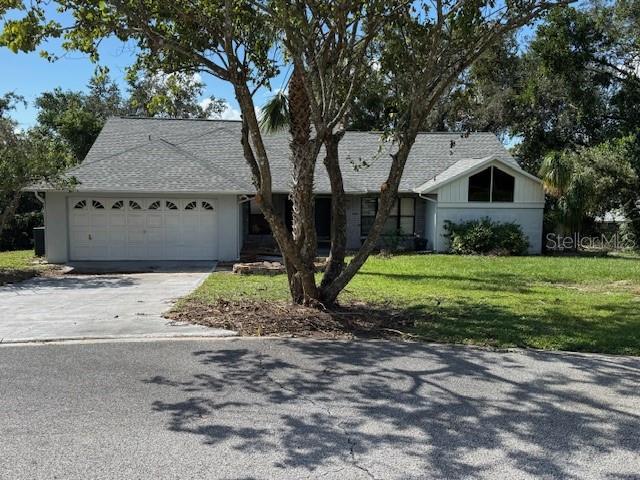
x,y
491,185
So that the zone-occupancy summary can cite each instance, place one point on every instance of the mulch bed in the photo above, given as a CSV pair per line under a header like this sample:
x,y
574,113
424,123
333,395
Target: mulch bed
x,y
262,318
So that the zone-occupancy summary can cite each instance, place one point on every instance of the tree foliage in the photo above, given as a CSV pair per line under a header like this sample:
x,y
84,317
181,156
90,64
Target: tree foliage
x,y
77,117
419,48
26,157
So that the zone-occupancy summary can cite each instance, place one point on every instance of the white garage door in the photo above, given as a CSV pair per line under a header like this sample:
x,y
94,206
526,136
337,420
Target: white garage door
x,y
142,229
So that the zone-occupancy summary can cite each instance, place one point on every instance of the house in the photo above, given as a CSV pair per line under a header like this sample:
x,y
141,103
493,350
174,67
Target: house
x,y
154,189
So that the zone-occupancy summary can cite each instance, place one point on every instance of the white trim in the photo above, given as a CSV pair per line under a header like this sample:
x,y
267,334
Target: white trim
x,y
502,205
429,186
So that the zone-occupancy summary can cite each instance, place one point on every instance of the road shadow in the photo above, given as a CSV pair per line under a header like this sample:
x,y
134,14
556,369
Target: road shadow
x,y
449,412
72,283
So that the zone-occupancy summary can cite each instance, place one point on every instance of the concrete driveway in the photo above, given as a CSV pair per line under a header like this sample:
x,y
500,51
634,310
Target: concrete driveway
x,y
250,409
99,306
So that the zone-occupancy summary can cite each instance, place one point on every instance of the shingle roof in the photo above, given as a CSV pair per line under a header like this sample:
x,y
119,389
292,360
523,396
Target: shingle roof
x,y
205,156
459,168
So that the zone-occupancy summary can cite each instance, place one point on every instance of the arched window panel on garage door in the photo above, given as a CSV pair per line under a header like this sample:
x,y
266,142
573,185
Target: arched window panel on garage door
x,y
82,204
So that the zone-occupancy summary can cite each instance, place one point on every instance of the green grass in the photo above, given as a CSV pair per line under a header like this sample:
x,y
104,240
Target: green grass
x,y
17,265
560,303
18,260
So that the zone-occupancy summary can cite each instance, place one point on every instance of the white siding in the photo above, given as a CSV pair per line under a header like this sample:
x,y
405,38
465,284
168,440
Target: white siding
x,y
454,192
526,210
430,231
56,231
526,190
529,219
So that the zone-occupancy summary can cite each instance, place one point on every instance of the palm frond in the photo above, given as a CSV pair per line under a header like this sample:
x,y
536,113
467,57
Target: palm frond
x,y
556,171
275,113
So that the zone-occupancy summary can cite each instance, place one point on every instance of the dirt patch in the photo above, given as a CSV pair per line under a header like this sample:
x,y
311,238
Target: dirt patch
x,y
261,318
9,276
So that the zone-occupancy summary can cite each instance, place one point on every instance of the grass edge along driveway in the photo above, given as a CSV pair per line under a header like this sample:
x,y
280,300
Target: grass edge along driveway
x,y
557,303
18,265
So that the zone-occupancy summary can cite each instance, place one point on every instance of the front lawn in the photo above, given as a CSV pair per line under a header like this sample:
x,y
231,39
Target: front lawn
x,y
17,265
564,303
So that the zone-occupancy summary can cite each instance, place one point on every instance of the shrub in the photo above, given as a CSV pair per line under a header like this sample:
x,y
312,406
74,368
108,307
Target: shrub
x,y
486,237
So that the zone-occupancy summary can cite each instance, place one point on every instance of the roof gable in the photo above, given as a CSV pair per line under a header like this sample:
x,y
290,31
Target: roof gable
x,y
468,166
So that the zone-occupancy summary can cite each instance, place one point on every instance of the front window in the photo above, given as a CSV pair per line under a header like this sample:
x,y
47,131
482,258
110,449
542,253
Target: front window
x,y
401,218
491,185
258,225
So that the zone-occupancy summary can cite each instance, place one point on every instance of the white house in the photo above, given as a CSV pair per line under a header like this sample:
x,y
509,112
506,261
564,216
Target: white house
x,y
156,189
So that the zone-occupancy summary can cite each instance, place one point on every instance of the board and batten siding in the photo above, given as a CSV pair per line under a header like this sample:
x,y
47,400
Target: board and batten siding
x,y
526,210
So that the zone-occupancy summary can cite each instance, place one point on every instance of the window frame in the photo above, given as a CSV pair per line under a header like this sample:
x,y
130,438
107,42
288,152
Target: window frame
x,y
398,215
492,169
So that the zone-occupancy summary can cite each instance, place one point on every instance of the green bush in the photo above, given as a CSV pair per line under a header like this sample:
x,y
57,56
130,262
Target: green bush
x,y
485,237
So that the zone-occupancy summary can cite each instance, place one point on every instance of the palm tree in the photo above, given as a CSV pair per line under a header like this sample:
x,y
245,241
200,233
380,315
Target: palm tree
x,y
275,113
556,173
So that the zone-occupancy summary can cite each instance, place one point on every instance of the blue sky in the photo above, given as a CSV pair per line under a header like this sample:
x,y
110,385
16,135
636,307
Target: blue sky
x,y
29,75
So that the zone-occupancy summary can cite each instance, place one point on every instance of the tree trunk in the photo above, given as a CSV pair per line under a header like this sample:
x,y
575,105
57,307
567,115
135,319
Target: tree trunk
x,y
303,161
388,194
335,263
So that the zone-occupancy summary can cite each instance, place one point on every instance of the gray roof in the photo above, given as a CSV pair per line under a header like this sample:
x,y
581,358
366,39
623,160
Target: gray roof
x,y
461,167
205,156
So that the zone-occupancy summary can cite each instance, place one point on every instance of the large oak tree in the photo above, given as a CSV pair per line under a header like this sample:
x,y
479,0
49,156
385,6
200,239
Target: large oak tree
x,y
418,47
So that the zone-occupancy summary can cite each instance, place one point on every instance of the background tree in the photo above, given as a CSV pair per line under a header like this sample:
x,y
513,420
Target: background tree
x,y
26,157
175,95
591,181
76,117
421,48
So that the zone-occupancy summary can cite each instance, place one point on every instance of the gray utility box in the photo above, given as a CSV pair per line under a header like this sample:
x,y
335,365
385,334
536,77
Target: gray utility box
x,y
38,241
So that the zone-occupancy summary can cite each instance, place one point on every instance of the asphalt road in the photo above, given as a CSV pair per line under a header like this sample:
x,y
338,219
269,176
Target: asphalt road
x,y
266,409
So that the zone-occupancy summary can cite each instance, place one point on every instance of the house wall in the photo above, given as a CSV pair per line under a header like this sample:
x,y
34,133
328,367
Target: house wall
x,y
526,190
228,217
353,222
429,232
526,210
56,233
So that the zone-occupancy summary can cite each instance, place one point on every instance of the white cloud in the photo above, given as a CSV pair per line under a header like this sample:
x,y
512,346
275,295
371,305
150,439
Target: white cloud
x,y
229,112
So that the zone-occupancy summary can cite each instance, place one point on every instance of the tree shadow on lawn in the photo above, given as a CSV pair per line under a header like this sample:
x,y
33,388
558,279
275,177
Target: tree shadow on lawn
x,y
405,410
506,282
609,327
